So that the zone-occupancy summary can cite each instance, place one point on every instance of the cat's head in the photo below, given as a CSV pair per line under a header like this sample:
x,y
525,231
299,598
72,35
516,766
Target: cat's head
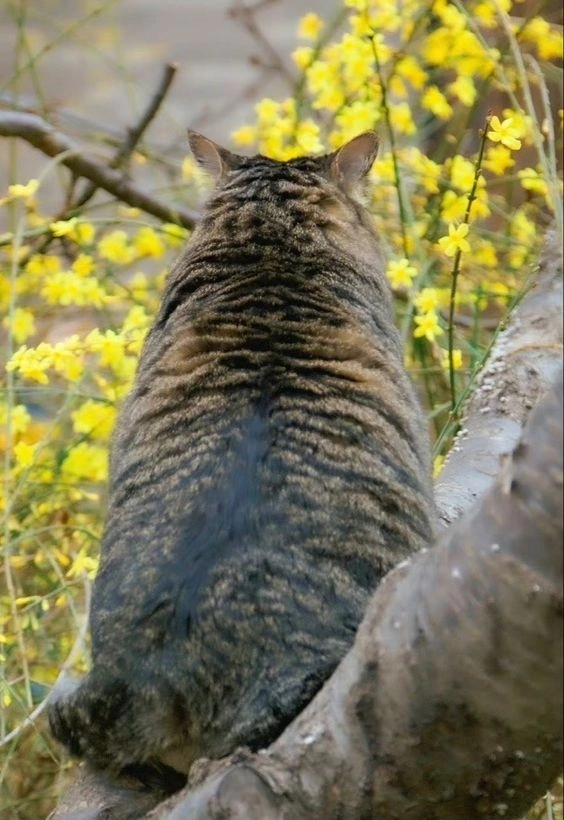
x,y
347,167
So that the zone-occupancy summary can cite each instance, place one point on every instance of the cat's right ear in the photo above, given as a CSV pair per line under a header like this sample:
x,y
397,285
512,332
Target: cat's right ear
x,y
211,157
351,163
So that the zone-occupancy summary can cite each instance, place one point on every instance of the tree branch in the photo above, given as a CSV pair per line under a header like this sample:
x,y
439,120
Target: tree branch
x,y
46,139
134,134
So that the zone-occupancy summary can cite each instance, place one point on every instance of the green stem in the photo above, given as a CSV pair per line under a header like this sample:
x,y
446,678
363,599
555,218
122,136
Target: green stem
x,y
393,148
456,268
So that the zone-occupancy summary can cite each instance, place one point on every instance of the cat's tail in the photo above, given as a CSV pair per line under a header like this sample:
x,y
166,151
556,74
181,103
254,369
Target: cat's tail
x,y
96,720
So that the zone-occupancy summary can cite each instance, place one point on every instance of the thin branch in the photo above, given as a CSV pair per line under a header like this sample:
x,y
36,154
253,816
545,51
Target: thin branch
x,y
134,134
245,16
76,650
50,142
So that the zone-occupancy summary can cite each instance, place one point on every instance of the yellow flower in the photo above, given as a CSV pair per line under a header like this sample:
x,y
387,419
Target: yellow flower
x,y
109,345
40,265
66,358
429,172
463,88
147,242
438,465
83,233
486,255
267,110
83,564
307,137
309,26
505,133
115,247
456,359
427,326
461,173
94,418
80,232
68,288
498,159
302,57
400,273
26,191
453,206
532,181
547,39
357,117
136,319
87,462
21,324
83,265
456,240
63,227
324,83
31,363
24,454
19,418
246,135
427,300
410,70
435,102
401,119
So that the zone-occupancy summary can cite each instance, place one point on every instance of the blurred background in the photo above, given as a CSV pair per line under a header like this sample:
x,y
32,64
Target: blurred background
x,y
96,64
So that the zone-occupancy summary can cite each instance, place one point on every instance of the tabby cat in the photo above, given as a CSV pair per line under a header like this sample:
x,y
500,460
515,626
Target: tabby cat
x,y
269,466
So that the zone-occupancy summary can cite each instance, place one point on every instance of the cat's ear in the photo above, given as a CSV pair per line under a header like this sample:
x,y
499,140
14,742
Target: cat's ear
x,y
211,157
352,162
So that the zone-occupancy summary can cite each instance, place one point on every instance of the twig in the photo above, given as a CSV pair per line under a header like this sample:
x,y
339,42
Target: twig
x,y
76,649
46,139
244,15
456,268
133,135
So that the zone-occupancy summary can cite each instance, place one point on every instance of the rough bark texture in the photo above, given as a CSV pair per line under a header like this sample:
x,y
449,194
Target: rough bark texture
x,y
449,704
523,363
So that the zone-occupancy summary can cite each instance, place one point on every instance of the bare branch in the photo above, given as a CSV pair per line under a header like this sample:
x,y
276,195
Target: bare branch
x,y
134,134
245,15
46,139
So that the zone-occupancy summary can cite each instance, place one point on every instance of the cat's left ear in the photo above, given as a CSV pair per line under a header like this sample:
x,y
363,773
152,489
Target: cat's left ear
x,y
211,157
351,163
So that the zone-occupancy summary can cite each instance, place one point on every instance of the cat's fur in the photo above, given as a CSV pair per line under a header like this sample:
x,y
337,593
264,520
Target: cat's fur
x,y
269,466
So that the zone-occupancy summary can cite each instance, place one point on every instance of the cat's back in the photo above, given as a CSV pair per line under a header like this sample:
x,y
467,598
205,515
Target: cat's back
x,y
270,464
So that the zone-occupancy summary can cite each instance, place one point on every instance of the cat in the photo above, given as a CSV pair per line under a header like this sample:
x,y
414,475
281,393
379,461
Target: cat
x,y
269,467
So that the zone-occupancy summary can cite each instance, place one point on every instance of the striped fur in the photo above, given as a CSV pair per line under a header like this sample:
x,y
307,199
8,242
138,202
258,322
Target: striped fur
x,y
269,466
